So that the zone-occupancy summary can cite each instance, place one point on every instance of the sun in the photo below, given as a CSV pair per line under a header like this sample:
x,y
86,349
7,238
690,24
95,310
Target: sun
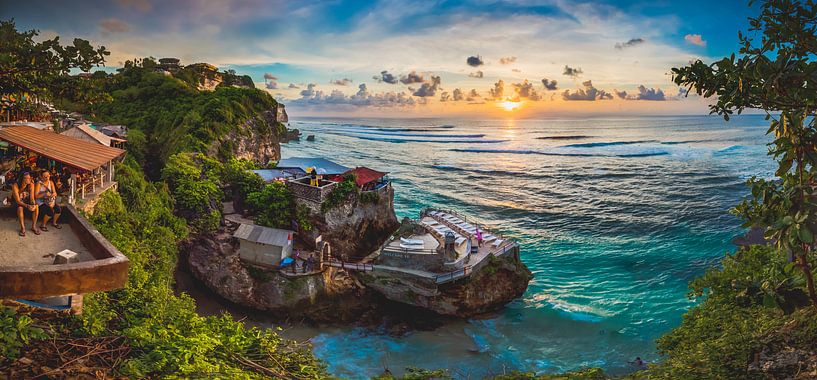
x,y
510,106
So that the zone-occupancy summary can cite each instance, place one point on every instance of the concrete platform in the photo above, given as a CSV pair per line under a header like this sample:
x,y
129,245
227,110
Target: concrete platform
x,y
430,243
35,249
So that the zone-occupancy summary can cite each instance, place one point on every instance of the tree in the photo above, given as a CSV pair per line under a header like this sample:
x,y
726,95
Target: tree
x,y
777,74
28,66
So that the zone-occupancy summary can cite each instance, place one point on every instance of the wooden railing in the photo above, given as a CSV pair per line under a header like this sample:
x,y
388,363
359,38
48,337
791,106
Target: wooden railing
x,y
363,267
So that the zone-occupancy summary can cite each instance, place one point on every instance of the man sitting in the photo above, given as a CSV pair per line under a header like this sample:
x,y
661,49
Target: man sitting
x,y
23,194
46,195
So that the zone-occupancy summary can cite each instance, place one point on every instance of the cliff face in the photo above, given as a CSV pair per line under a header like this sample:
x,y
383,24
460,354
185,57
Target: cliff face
x,y
493,286
257,140
331,296
355,228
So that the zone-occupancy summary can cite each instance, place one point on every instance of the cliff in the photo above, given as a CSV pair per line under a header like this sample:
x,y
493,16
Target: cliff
x,y
258,139
331,296
499,282
356,227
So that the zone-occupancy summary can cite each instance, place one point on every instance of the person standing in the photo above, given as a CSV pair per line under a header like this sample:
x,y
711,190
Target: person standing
x,y
479,237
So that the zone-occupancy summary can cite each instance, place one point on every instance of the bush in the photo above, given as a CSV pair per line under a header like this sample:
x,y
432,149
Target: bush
x,y
15,332
341,193
195,181
273,206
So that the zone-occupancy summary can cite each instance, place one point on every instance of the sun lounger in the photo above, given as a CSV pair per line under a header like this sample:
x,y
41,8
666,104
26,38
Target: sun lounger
x,y
411,247
497,242
488,238
411,241
459,240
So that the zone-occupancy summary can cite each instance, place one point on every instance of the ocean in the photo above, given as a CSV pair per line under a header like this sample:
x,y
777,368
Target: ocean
x,y
614,216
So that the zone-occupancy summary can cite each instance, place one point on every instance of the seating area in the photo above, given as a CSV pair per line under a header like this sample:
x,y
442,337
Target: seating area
x,y
443,222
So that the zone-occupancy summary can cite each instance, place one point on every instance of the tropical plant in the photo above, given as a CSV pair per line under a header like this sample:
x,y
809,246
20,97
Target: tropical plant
x,y
776,73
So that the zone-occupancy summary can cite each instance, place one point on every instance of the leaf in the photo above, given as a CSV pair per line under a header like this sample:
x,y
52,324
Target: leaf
x,y
805,235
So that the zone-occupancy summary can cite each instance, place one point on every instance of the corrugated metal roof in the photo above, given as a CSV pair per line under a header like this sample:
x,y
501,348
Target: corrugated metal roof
x,y
70,151
92,133
264,235
318,163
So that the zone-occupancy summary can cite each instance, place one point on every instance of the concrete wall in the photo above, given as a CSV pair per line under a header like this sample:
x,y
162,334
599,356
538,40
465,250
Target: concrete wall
x,y
405,259
108,272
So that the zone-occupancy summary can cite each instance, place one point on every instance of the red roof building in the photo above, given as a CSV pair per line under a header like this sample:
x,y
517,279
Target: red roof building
x,y
364,175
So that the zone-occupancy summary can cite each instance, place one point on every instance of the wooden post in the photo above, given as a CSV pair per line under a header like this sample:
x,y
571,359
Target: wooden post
x,y
110,171
73,183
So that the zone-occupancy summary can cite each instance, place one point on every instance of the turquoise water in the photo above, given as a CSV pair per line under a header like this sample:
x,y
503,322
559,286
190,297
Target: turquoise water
x,y
615,217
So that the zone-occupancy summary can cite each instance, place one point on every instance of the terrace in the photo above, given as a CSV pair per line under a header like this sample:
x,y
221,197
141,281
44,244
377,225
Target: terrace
x,y
27,269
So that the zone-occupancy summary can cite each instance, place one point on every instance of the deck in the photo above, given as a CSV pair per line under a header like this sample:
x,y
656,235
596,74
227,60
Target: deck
x,y
35,249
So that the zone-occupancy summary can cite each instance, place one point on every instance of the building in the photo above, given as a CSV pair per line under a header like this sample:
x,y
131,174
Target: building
x,y
263,245
118,131
88,133
367,179
169,64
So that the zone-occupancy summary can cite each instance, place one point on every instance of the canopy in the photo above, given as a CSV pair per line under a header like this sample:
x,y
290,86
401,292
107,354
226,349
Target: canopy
x,y
305,163
79,154
85,132
364,175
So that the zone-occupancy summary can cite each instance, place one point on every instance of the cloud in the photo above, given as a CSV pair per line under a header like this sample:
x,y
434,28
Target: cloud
x,y
550,85
516,70
113,26
587,93
458,95
472,95
270,81
444,96
525,90
474,61
573,72
477,74
341,82
385,77
309,91
139,5
507,60
644,93
412,77
632,42
312,97
499,90
292,85
695,39
428,88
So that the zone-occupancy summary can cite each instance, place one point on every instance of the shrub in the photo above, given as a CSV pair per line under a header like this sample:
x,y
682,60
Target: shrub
x,y
15,332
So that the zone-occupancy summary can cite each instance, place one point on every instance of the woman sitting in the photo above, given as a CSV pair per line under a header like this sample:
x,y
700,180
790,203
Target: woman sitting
x,y
46,195
23,194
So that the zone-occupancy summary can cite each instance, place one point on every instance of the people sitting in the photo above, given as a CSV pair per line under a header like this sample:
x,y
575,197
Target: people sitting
x,y
46,196
23,195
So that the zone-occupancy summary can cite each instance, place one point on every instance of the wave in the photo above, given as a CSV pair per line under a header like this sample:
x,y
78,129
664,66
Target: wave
x,y
686,142
401,134
515,151
400,140
480,171
576,137
607,143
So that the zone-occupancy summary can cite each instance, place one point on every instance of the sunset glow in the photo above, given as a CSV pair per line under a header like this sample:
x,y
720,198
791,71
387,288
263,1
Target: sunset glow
x,y
510,105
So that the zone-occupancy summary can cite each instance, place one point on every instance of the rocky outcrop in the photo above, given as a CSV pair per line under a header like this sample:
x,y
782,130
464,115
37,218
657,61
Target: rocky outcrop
x,y
785,354
497,283
332,296
259,139
356,227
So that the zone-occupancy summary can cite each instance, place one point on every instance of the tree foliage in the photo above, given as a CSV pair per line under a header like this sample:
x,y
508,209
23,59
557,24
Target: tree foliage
x,y
28,66
775,71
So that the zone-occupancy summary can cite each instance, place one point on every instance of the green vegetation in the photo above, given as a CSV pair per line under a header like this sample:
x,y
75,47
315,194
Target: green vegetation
x,y
341,193
15,332
167,115
195,182
39,69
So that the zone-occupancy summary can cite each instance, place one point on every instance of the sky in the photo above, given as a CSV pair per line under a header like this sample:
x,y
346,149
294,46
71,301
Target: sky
x,y
402,58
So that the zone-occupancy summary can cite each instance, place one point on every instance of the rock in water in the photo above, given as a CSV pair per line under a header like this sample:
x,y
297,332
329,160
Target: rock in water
x,y
331,296
492,287
310,138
